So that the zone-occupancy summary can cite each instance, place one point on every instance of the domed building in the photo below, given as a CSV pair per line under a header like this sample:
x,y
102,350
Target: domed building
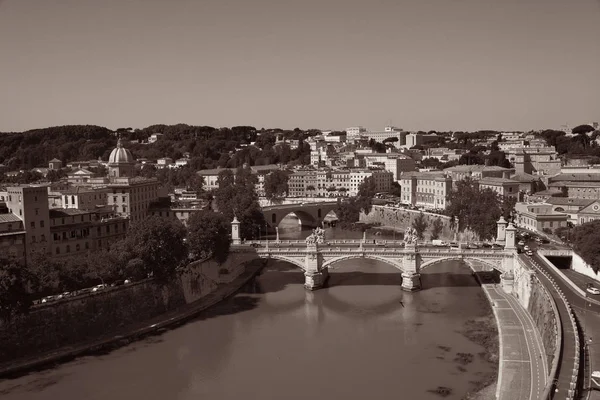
x,y
120,162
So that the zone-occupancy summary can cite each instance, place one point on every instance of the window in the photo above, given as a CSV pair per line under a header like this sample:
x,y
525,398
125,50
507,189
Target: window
x,y
37,211
68,249
32,239
87,246
41,224
57,250
32,224
43,239
77,247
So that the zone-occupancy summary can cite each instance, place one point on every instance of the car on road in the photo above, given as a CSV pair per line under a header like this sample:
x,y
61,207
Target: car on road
x,y
526,248
593,290
529,253
521,243
255,245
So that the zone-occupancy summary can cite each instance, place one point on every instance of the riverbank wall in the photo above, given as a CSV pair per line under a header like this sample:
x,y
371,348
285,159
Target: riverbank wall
x,y
401,218
73,326
541,307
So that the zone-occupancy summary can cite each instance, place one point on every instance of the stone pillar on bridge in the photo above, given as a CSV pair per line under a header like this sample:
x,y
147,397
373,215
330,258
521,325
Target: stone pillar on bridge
x,y
501,231
510,240
235,231
315,276
411,278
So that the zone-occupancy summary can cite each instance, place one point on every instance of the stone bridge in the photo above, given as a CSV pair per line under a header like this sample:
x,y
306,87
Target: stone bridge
x,y
317,259
309,214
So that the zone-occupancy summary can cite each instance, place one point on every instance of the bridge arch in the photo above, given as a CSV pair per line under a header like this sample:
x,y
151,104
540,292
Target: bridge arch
x,y
329,264
274,256
306,218
459,257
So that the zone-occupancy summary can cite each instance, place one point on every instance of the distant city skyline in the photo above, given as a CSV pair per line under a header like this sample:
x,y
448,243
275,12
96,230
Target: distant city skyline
x,y
325,64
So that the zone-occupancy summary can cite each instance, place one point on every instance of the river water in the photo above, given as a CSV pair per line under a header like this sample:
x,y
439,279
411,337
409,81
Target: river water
x,y
362,337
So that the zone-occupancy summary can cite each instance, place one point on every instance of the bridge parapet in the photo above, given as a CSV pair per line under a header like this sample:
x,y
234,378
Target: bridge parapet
x,y
556,253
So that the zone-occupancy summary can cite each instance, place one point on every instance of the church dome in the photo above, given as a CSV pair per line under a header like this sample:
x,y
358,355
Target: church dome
x,y
120,155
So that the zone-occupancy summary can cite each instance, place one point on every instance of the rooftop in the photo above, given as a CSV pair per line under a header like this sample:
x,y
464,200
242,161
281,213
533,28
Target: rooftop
x,y
497,180
471,168
577,177
523,177
569,201
10,217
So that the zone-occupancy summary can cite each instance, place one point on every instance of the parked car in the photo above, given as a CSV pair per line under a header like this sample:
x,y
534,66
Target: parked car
x,y
529,253
593,290
521,243
526,248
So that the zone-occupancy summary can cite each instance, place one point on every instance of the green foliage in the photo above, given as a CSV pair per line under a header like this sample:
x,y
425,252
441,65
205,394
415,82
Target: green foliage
x,y
348,212
276,184
585,239
208,235
474,209
420,225
436,228
582,129
236,196
366,191
159,243
15,281
396,190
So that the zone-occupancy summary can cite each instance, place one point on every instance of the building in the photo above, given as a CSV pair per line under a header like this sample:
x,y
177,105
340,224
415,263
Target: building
x,y
155,137
55,164
395,163
539,217
577,185
79,176
30,205
79,231
418,139
83,198
336,182
131,197
425,189
476,172
528,184
535,160
569,206
211,176
589,213
354,132
503,186
12,236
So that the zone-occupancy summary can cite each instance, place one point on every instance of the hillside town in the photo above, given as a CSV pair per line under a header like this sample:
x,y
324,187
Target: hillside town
x,y
84,210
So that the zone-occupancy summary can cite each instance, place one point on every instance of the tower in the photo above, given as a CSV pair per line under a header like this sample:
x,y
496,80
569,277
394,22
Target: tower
x,y
235,231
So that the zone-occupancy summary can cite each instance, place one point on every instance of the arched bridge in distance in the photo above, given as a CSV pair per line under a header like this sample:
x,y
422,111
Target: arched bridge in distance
x,y
309,214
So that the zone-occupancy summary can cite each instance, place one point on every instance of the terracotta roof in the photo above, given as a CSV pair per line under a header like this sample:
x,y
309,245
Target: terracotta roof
x,y
569,201
9,218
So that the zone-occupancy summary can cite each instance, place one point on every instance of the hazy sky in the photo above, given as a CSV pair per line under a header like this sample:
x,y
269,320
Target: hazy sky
x,y
329,64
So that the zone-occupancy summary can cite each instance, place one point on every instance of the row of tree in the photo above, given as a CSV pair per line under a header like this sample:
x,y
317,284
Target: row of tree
x,y
155,247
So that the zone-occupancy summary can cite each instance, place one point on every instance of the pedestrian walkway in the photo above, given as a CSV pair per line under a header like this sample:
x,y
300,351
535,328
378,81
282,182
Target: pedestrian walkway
x,y
523,368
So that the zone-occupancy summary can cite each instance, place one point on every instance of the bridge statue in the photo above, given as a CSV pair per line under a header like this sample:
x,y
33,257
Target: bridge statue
x,y
316,237
410,235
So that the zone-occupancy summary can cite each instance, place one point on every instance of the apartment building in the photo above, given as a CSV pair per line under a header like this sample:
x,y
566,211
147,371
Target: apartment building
x,y
395,163
535,160
538,217
502,186
578,185
12,236
211,176
426,189
477,172
336,182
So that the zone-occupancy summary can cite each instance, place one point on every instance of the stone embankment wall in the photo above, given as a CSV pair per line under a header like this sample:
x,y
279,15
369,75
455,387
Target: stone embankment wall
x,y
401,218
536,299
79,319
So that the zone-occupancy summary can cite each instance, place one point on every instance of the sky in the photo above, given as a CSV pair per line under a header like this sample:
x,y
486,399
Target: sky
x,y
325,64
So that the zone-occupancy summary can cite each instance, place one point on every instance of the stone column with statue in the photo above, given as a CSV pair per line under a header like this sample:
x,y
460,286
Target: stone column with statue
x,y
315,277
411,278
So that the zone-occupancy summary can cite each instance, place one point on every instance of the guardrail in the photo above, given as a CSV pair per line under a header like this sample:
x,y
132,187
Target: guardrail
x,y
575,373
558,341
556,253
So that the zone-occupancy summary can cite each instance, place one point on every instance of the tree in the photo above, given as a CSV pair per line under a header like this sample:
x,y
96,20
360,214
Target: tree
x,y
396,189
15,280
474,209
276,184
585,239
436,228
208,235
348,212
366,191
420,225
582,129
159,243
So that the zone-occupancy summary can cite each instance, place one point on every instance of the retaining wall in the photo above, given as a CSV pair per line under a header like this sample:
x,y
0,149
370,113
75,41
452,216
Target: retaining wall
x,y
402,218
51,326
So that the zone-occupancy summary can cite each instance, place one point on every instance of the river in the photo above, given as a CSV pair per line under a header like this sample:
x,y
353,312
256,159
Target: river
x,y
362,337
